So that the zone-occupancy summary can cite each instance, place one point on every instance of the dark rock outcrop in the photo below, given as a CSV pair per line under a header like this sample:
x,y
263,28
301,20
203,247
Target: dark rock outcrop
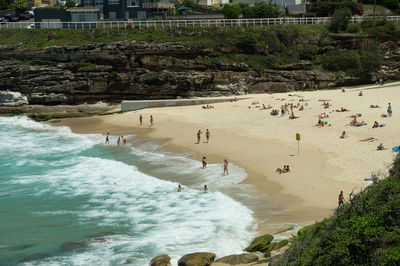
x,y
197,259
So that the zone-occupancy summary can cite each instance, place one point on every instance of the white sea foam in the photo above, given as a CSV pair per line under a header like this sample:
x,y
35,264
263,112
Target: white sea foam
x,y
156,217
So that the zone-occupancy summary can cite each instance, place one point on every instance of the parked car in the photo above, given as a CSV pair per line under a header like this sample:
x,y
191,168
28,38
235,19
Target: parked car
x,y
30,26
24,16
2,20
12,18
29,13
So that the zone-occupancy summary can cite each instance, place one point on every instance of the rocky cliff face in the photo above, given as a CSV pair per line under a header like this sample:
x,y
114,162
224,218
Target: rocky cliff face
x,y
136,70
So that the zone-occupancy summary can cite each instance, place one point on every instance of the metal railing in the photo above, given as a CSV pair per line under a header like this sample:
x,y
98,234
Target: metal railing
x,y
178,23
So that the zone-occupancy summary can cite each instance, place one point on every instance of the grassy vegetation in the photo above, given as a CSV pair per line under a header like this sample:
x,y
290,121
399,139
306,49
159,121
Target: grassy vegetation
x,y
363,231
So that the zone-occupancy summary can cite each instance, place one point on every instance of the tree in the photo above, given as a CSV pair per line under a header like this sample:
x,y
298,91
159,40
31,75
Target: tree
x,y
3,4
70,3
340,19
231,11
391,4
19,5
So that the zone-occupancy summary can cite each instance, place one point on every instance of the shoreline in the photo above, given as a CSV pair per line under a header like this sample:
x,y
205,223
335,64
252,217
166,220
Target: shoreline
x,y
259,143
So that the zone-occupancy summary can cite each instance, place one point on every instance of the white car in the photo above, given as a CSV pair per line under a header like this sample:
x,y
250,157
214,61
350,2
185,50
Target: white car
x,y
30,26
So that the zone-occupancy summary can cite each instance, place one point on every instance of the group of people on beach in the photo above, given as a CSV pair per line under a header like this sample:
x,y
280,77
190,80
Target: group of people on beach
x,y
199,133
180,188
124,139
151,120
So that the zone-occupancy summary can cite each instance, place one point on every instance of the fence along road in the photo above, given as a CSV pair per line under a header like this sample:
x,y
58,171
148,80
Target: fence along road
x,y
180,23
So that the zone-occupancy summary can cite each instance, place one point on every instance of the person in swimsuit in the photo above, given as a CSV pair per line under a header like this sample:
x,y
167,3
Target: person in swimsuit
x,y
343,135
123,139
205,188
198,136
389,110
180,188
118,141
207,135
141,119
108,138
151,120
226,164
204,162
341,199
380,147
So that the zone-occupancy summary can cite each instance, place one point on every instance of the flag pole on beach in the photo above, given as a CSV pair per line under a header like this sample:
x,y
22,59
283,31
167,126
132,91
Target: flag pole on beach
x,y
298,143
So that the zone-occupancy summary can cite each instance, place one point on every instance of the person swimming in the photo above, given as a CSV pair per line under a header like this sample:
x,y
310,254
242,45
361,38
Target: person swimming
x,y
205,188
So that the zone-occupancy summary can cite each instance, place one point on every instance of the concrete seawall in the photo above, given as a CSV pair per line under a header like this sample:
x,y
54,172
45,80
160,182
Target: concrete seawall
x,y
141,104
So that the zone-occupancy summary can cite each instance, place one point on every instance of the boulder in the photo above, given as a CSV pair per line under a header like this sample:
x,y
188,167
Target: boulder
x,y
274,246
197,259
284,228
239,259
12,99
161,260
259,243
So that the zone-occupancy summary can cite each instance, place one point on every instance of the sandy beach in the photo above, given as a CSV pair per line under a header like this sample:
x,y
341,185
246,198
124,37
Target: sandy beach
x,y
260,143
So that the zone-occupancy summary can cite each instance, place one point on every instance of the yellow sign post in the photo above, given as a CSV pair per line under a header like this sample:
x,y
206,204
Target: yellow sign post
x,y
298,143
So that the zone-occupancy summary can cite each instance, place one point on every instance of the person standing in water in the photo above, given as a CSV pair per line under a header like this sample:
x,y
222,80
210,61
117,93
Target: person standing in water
x,y
140,119
118,141
107,138
180,188
207,135
198,136
226,164
341,199
204,162
123,139
151,120
205,188
389,110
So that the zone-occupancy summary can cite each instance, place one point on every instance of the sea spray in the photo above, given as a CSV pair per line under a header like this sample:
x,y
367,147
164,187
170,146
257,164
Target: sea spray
x,y
58,187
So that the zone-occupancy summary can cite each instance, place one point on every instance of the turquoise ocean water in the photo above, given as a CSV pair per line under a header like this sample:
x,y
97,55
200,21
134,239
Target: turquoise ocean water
x,y
68,199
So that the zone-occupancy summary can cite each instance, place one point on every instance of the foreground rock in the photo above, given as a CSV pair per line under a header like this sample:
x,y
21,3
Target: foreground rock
x,y
161,260
197,259
260,243
244,258
12,99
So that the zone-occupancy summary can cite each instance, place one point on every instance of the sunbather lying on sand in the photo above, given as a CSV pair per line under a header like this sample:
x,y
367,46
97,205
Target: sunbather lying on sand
x,y
283,170
355,116
274,112
342,110
368,139
255,102
343,135
374,106
207,106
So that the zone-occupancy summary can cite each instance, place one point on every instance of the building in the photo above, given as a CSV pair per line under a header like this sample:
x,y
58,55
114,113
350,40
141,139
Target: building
x,y
128,9
60,18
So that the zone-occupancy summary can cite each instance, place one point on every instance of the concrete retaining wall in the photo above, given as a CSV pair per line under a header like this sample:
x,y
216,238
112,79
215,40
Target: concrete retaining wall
x,y
136,105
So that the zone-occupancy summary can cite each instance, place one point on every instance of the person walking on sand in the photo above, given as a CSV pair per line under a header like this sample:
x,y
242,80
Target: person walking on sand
x,y
207,135
140,119
118,141
204,162
108,138
198,136
226,164
151,120
389,110
205,188
341,199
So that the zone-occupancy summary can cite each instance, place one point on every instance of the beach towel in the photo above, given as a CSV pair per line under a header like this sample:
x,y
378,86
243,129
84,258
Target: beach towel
x,y
396,148
382,125
368,139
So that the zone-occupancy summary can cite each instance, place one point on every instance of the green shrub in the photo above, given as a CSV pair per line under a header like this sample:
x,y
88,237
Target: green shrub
x,y
307,52
363,231
353,28
262,10
340,19
391,4
347,61
231,11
